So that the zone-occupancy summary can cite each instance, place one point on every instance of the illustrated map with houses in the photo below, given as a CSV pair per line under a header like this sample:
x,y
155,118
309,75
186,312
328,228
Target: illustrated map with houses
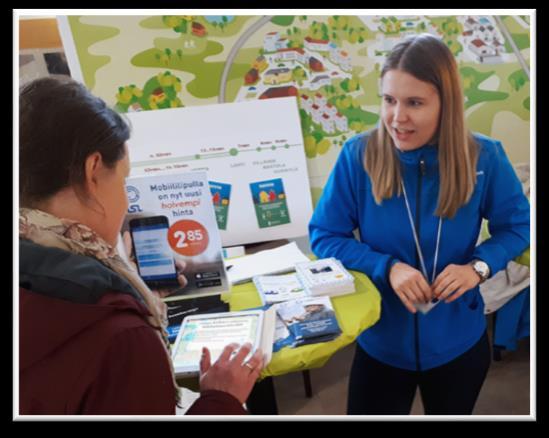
x,y
331,65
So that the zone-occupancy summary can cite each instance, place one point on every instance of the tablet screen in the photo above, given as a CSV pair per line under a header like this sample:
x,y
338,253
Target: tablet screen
x,y
215,333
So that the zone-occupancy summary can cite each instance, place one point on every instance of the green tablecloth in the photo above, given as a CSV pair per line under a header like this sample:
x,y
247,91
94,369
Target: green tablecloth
x,y
355,313
524,258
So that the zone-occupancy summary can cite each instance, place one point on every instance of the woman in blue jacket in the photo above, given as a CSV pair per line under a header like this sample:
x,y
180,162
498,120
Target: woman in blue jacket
x,y
416,189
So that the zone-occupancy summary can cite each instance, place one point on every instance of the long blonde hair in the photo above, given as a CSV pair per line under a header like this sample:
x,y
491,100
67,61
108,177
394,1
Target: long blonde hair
x,y
428,59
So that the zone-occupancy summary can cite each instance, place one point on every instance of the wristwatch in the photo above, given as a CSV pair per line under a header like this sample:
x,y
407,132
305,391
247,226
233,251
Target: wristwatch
x,y
482,269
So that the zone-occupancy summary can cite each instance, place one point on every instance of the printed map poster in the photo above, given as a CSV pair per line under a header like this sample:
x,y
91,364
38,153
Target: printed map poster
x,y
237,145
331,63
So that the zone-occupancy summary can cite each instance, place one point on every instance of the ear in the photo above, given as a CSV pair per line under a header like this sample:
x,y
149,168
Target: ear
x,y
93,168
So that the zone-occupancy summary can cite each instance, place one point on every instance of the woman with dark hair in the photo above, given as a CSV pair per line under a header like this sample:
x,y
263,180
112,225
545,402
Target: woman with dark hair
x,y
92,335
417,188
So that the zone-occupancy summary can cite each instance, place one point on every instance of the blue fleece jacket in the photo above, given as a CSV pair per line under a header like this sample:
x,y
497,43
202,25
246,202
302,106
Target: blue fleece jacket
x,y
400,338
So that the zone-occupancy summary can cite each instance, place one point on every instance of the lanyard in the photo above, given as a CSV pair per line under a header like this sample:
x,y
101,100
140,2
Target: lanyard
x,y
423,268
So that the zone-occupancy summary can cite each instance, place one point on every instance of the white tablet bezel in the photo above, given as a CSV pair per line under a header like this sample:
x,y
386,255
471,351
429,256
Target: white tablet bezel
x,y
195,369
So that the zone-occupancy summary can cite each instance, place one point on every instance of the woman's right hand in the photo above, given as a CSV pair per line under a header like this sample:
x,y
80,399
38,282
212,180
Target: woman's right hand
x,y
410,286
233,376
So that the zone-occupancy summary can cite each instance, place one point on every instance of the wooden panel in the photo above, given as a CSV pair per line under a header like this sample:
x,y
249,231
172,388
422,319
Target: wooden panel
x,y
39,34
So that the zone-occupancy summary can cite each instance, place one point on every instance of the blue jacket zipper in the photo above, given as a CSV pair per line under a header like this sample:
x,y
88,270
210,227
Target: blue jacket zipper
x,y
421,174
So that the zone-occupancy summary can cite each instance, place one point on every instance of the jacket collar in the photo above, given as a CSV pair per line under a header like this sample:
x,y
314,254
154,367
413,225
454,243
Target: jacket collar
x,y
71,277
427,152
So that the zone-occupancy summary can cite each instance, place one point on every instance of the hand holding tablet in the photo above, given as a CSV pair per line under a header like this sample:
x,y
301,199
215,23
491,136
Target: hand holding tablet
x,y
231,373
214,331
227,350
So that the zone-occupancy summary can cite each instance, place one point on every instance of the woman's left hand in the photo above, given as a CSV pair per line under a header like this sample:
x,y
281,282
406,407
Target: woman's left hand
x,y
454,280
180,266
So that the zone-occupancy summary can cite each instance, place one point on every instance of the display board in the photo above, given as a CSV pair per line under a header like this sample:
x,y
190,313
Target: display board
x,y
252,153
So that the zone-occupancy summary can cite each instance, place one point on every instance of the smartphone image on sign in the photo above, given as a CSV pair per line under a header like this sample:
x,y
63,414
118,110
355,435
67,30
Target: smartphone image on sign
x,y
152,251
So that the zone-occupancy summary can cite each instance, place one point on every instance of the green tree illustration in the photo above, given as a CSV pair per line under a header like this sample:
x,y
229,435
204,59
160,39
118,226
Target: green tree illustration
x,y
518,79
298,75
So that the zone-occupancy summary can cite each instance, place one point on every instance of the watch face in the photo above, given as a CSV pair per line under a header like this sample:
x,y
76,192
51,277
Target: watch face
x,y
481,268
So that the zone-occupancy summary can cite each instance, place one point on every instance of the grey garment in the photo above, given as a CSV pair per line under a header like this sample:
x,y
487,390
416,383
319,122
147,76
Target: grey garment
x,y
504,285
67,276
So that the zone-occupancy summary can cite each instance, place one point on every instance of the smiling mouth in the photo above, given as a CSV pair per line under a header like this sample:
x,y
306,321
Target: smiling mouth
x,y
403,135
403,131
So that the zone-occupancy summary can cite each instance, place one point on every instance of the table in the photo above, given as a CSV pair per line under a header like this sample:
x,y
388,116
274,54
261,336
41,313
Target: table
x,y
355,313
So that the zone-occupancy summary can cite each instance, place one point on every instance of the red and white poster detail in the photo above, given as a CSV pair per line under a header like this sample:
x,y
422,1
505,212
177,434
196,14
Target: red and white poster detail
x,y
172,228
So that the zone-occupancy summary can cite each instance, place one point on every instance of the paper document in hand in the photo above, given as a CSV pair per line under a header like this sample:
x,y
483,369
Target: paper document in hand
x,y
272,261
425,307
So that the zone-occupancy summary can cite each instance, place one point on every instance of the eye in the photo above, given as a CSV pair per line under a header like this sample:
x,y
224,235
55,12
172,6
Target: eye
x,y
415,103
388,99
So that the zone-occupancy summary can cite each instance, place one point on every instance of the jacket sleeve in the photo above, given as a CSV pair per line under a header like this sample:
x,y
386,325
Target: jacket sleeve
x,y
216,403
507,210
336,217
134,377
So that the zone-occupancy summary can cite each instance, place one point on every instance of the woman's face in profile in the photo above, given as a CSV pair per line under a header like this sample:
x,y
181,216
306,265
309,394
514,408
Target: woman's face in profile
x,y
410,109
112,194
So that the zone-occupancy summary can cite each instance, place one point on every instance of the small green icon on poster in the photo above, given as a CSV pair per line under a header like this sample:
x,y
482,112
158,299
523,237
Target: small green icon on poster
x,y
270,204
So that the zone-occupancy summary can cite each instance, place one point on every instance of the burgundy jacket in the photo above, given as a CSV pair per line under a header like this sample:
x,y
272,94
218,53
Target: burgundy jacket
x,y
85,344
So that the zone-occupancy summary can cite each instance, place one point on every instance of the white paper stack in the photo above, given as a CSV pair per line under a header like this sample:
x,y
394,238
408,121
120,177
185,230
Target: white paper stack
x,y
325,277
273,261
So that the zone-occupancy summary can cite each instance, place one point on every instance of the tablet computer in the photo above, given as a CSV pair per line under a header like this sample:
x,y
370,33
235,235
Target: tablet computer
x,y
214,331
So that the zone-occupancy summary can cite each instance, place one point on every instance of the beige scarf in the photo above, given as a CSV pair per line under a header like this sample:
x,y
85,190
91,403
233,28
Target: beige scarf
x,y
47,230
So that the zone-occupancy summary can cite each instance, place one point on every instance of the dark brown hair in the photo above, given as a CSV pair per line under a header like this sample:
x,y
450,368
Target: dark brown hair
x,y
60,125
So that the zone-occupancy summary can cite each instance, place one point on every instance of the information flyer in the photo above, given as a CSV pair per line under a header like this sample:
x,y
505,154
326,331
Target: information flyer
x,y
173,231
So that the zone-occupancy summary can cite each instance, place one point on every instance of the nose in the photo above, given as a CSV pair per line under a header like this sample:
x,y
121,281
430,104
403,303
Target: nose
x,y
400,114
